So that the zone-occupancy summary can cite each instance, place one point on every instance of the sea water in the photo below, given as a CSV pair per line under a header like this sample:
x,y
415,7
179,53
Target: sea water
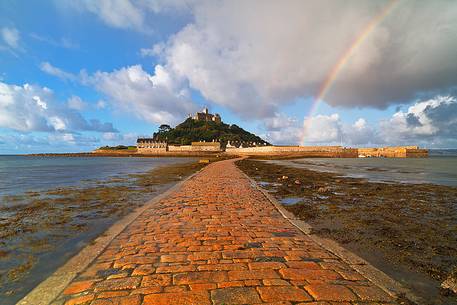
x,y
32,176
439,168
19,174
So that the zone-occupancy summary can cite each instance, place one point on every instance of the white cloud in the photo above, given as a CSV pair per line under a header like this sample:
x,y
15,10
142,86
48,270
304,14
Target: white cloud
x,y
50,69
253,57
75,102
123,14
157,98
322,129
32,108
360,133
120,138
282,129
433,121
101,104
11,37
267,53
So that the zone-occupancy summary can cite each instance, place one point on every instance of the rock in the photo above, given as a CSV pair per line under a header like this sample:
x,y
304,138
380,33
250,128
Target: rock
x,y
450,283
285,177
323,189
297,182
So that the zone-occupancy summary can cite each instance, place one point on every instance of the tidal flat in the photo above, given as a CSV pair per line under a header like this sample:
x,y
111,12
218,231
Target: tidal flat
x,y
39,231
409,231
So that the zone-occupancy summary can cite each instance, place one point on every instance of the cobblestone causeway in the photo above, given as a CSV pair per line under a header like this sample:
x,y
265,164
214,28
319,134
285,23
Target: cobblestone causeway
x,y
217,240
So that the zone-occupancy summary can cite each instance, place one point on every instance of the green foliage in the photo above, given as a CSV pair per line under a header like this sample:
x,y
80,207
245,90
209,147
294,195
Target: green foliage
x,y
193,131
119,147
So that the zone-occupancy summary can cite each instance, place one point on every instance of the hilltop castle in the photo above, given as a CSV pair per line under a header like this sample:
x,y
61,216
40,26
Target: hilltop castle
x,y
206,116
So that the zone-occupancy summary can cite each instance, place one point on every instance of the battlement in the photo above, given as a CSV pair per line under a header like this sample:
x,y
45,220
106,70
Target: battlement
x,y
206,116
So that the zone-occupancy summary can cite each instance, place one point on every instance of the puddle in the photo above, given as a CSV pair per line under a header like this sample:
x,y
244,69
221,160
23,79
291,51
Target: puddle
x,y
290,200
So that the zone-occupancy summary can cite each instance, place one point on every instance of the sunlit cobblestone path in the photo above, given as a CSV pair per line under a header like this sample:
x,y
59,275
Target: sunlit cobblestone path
x,y
217,240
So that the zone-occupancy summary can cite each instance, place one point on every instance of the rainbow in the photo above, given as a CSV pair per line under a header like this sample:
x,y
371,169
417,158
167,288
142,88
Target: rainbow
x,y
342,61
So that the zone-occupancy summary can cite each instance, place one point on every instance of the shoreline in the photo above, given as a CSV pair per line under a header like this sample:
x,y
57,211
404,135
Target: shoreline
x,y
358,214
68,218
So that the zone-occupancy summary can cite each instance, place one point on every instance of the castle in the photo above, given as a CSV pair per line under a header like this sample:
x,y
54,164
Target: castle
x,y
206,116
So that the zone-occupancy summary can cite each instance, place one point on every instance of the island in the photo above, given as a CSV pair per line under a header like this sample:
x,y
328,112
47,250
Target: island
x,y
205,134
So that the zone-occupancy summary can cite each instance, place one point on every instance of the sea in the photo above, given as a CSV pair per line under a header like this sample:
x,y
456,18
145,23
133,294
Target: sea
x,y
20,174
32,177
439,168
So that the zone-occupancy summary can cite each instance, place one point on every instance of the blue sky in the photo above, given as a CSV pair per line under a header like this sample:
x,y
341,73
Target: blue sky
x,y
76,75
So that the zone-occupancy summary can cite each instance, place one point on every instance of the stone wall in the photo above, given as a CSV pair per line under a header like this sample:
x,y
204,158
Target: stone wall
x,y
299,151
394,152
178,148
147,150
206,146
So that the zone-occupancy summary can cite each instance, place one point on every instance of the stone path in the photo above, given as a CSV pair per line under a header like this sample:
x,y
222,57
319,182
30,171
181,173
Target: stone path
x,y
217,240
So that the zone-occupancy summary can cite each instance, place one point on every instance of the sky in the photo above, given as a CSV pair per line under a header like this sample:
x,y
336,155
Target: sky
x,y
80,74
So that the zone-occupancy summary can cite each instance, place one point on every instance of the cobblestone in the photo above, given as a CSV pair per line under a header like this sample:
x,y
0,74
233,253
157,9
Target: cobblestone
x,y
217,240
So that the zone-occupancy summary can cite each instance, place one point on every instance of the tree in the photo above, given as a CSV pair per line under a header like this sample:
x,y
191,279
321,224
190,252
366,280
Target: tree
x,y
164,128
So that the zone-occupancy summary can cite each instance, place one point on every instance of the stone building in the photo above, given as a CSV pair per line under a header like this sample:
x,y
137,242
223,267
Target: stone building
x,y
151,146
206,116
150,143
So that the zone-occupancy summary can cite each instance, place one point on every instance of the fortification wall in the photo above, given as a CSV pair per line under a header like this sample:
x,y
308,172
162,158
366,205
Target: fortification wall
x,y
199,147
416,153
394,152
299,151
178,148
157,150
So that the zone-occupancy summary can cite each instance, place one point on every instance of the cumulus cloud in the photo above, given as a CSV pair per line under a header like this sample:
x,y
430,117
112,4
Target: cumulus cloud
x,y
75,102
33,108
322,129
267,53
253,57
160,97
120,138
282,129
157,98
432,121
330,129
361,133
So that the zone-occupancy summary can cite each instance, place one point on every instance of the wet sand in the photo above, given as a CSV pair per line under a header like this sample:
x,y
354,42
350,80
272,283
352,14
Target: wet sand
x,y
408,231
39,231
